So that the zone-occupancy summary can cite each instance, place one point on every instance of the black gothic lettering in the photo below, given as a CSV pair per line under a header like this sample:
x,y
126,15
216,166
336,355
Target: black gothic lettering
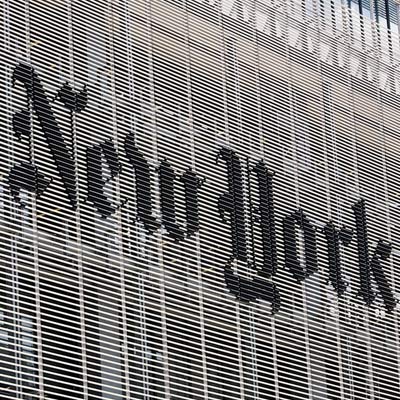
x,y
363,252
249,290
232,203
167,197
367,265
22,124
333,238
292,260
102,160
267,219
143,184
167,193
382,252
26,176
73,100
191,183
50,128
96,182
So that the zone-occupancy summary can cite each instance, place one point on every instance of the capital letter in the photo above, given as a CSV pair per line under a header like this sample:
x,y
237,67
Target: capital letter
x,y
232,203
41,105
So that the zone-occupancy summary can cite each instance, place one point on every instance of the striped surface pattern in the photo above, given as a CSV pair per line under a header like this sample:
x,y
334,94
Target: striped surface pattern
x,y
199,200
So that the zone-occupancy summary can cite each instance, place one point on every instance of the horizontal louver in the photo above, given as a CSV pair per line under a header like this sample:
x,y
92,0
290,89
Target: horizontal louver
x,y
199,200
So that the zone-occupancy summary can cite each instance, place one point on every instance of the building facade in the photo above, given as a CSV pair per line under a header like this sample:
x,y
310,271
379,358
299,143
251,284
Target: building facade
x,y
199,200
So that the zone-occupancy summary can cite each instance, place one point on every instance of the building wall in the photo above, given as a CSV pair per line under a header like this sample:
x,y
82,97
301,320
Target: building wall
x,y
198,201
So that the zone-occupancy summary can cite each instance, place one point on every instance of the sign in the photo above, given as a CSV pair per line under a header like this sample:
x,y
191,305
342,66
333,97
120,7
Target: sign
x,y
231,204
